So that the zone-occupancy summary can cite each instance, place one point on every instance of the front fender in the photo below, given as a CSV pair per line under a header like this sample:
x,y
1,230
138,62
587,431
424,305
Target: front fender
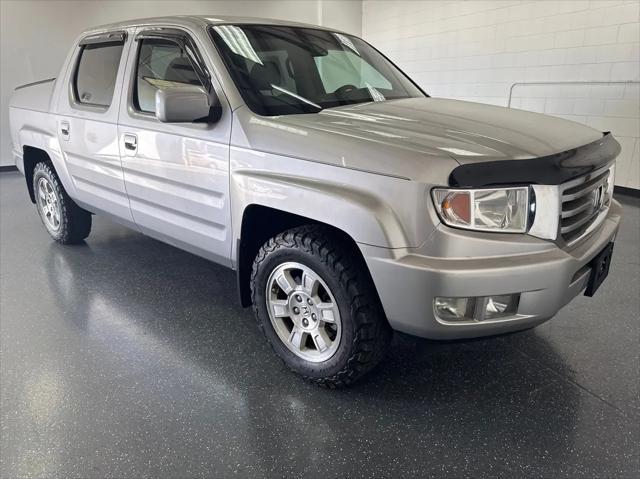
x,y
373,209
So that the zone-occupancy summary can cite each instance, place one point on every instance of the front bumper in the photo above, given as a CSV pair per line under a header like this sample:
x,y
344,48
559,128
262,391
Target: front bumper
x,y
547,279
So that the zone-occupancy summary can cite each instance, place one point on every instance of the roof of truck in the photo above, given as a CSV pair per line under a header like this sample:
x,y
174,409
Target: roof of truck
x,y
199,21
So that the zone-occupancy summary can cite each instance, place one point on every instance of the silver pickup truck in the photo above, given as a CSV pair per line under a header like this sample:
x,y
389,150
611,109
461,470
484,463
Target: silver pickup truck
x,y
348,201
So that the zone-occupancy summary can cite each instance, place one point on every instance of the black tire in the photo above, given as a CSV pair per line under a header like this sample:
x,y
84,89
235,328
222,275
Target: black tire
x,y
74,222
365,330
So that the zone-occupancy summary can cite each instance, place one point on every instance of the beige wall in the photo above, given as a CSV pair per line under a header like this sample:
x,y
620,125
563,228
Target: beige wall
x,y
35,35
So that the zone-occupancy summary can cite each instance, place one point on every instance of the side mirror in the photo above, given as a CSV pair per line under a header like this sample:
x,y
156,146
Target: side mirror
x,y
184,104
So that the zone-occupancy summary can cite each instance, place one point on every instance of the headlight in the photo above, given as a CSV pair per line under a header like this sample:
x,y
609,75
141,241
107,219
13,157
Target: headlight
x,y
495,209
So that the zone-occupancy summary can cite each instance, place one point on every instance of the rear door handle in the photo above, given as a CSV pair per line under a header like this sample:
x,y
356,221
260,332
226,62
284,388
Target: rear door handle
x,y
130,143
64,129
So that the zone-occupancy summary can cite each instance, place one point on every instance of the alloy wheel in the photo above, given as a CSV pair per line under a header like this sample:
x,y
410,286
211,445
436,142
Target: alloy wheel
x,y
303,312
49,204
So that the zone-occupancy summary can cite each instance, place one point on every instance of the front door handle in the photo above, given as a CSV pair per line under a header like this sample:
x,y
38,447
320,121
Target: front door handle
x,y
130,143
64,129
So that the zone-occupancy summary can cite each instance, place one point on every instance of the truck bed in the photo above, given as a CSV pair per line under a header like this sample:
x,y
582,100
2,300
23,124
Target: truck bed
x,y
34,96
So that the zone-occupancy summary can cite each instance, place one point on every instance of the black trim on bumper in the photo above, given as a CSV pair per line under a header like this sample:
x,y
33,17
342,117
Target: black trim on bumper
x,y
547,170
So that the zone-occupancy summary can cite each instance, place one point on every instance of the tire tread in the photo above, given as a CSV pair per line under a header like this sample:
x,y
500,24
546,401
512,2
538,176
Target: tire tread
x,y
75,221
372,331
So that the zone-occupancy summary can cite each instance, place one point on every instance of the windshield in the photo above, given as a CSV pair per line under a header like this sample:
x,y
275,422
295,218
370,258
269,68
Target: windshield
x,y
282,70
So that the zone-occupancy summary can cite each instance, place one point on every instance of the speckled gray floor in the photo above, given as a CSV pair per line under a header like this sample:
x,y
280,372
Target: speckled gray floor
x,y
125,357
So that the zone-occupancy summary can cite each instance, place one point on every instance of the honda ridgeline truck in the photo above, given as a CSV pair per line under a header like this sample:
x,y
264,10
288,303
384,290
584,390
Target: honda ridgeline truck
x,y
348,201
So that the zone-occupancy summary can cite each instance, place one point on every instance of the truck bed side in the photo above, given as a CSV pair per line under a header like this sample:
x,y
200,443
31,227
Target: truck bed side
x,y
29,116
34,127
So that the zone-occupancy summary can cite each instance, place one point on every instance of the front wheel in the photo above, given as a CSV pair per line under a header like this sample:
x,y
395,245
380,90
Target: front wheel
x,y
315,302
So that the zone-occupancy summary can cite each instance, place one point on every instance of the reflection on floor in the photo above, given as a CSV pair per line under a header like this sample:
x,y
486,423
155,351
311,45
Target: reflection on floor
x,y
126,357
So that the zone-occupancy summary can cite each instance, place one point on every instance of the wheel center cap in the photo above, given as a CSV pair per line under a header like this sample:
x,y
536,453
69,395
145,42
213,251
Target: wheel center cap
x,y
303,310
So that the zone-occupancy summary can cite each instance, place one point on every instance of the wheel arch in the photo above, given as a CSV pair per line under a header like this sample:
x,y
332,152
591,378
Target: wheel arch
x,y
31,156
353,204
259,224
40,145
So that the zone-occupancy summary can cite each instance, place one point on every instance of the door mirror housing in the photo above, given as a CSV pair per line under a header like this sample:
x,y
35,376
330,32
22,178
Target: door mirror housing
x,y
186,104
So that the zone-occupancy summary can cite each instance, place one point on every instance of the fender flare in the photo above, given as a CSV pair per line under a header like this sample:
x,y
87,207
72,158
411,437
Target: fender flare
x,y
33,137
355,211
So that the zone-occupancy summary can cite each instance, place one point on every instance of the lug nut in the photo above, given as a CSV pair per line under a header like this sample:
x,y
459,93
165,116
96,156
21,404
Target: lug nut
x,y
313,316
305,322
309,302
296,310
298,298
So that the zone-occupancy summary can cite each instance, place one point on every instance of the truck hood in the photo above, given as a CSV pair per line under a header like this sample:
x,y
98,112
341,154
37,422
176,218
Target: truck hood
x,y
408,137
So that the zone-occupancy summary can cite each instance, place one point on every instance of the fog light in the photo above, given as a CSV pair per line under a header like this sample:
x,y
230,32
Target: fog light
x,y
477,309
500,306
455,309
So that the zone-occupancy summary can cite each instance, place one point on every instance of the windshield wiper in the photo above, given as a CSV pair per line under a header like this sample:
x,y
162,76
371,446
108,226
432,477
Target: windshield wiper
x,y
296,96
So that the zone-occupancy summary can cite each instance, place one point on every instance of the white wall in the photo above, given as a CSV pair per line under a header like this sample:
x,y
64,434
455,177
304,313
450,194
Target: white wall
x,y
476,50
35,35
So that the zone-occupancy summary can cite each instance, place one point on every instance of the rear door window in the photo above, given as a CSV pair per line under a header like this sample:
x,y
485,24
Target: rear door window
x,y
95,77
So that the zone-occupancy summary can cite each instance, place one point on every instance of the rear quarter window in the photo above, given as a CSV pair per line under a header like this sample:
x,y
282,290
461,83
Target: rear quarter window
x,y
95,77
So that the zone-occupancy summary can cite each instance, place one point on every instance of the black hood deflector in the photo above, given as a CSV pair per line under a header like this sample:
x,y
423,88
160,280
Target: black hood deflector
x,y
547,170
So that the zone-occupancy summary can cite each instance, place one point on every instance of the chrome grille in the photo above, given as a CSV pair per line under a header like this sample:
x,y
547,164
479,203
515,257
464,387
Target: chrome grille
x,y
583,201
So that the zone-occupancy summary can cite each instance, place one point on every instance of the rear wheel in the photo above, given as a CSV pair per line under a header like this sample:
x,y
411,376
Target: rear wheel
x,y
316,304
65,221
